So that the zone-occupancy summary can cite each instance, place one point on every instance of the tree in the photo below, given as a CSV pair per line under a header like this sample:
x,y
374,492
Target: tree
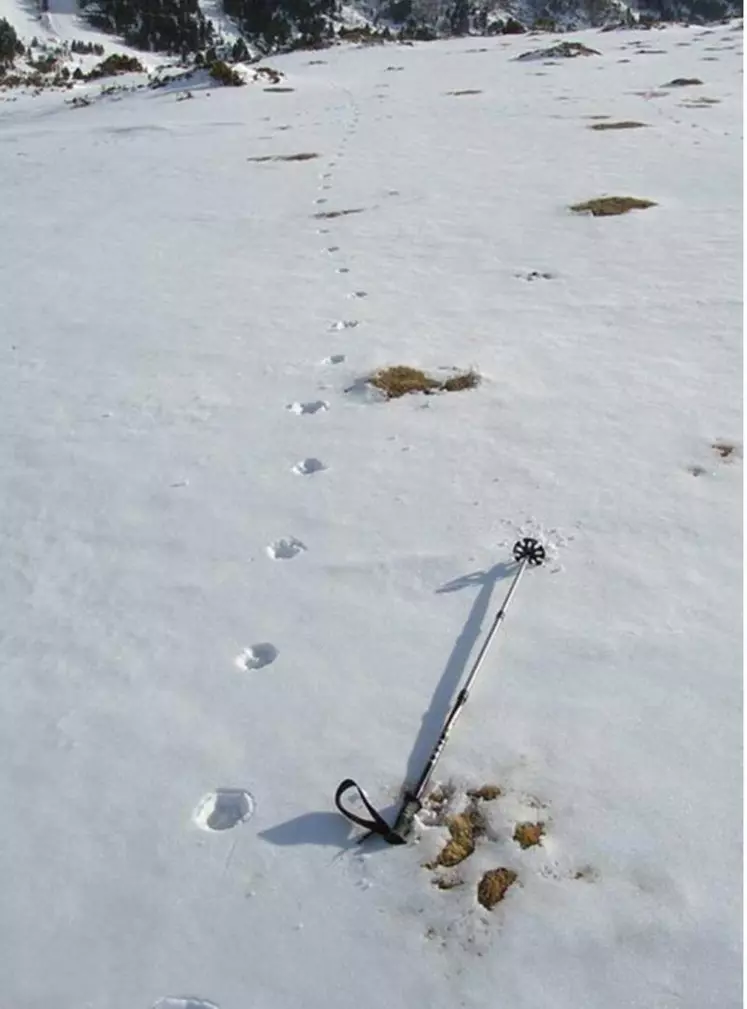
x,y
10,46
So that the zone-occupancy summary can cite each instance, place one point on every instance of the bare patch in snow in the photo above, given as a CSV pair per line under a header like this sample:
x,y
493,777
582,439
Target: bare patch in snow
x,y
401,380
611,206
301,156
624,124
564,50
328,215
727,449
527,835
493,886
682,82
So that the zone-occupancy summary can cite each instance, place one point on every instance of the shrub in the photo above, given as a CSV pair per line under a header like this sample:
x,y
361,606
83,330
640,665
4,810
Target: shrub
x,y
225,75
115,64
10,45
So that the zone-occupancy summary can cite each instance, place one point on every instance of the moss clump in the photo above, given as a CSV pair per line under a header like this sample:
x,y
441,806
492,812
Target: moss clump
x,y
528,835
401,380
624,124
493,886
610,206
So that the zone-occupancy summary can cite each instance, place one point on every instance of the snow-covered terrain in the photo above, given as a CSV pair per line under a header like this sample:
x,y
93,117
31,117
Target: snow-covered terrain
x,y
228,566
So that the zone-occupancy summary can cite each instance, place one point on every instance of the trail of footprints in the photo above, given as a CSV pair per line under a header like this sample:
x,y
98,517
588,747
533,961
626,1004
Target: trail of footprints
x,y
225,809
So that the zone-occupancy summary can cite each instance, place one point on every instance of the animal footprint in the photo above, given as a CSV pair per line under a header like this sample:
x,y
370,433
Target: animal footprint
x,y
358,294
333,248
343,269
334,359
344,324
285,549
321,199
535,275
307,466
315,406
221,810
257,657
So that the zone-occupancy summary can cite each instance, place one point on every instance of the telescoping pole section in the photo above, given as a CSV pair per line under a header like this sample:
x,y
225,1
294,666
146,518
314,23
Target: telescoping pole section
x,y
527,552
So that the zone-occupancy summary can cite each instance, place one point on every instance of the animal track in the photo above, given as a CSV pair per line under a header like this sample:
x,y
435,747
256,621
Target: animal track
x,y
334,359
333,248
321,200
221,810
257,657
315,406
343,269
535,275
344,324
307,466
286,549
358,294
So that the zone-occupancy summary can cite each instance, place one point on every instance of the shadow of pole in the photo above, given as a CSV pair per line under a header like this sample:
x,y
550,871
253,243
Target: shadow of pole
x,y
456,664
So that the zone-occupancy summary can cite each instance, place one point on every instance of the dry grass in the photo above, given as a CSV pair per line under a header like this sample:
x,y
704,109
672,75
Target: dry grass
x,y
624,124
486,792
609,206
493,886
725,449
682,82
302,156
328,215
528,835
401,380
464,828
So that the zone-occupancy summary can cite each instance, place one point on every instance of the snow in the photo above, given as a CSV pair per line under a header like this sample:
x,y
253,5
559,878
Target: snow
x,y
228,583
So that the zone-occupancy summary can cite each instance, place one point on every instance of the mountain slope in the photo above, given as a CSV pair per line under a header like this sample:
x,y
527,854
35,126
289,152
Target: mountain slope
x,y
192,604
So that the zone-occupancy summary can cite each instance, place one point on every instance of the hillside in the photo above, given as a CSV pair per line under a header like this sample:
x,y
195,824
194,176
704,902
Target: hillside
x,y
235,573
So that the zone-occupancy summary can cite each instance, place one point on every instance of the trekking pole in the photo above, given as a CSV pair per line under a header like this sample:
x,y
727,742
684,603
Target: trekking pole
x,y
527,552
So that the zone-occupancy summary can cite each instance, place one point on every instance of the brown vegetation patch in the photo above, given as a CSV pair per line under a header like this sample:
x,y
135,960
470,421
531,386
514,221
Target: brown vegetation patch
x,y
624,124
610,206
464,828
725,449
269,74
493,886
328,215
400,380
563,50
486,792
302,156
528,835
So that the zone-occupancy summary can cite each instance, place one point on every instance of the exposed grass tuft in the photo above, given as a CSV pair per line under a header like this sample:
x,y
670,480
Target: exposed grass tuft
x,y
493,886
328,215
401,380
528,835
303,156
486,792
624,124
609,206
682,82
464,828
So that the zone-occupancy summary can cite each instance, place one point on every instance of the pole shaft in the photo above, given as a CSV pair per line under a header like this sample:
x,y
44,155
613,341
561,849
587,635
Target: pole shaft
x,y
413,798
